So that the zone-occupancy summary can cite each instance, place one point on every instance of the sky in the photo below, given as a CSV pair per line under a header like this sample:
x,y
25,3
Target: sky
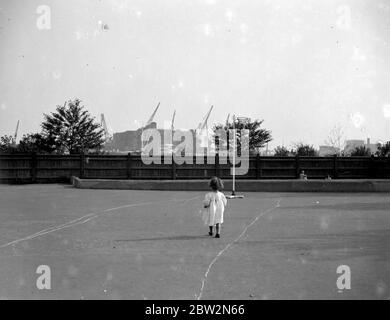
x,y
302,66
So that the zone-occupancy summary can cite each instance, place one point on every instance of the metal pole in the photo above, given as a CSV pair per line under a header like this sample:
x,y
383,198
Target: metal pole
x,y
234,156
233,195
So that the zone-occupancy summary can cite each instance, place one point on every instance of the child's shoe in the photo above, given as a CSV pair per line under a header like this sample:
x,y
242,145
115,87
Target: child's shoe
x,y
217,235
210,233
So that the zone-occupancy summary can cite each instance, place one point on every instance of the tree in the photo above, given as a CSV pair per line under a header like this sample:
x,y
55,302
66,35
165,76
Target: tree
x,y
281,151
383,150
360,151
72,129
335,138
7,144
35,142
258,137
302,149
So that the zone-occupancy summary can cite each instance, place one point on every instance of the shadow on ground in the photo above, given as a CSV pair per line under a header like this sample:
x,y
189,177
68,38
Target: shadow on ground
x,y
164,238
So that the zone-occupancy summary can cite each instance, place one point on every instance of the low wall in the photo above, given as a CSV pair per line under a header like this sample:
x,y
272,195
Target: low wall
x,y
241,185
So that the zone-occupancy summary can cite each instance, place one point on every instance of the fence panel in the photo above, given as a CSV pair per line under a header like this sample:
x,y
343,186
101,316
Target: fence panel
x,y
105,167
317,167
353,167
380,168
15,168
55,168
277,167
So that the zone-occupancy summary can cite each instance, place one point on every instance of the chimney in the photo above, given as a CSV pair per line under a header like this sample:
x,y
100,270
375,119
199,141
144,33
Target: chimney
x,y
368,141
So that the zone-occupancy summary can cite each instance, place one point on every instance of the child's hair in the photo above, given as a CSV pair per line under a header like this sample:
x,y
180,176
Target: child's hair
x,y
216,183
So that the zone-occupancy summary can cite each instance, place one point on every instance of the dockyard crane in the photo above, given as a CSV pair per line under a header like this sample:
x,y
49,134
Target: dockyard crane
x,y
107,135
203,124
173,120
152,116
16,133
147,136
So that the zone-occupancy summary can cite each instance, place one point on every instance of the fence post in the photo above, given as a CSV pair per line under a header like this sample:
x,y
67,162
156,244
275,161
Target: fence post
x,y
217,171
128,166
297,167
82,165
335,167
258,173
173,169
34,162
371,170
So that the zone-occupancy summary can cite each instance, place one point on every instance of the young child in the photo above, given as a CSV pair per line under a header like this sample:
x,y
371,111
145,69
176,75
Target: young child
x,y
214,204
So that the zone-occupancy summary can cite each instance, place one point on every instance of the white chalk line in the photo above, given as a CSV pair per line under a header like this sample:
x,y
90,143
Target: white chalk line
x,y
51,229
199,296
84,219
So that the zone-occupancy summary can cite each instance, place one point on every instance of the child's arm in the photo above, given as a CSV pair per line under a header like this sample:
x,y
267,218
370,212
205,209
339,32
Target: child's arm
x,y
206,201
224,200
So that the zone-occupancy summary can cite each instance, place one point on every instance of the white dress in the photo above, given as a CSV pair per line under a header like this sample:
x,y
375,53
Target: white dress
x,y
214,213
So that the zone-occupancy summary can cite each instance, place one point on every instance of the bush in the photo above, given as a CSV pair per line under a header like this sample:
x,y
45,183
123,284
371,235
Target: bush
x,y
361,151
383,150
305,150
281,151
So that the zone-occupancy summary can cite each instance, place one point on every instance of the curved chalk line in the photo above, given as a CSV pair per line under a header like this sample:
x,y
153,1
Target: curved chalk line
x,y
52,229
85,219
199,296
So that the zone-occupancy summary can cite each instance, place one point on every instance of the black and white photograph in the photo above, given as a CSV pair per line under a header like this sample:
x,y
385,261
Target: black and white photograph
x,y
195,150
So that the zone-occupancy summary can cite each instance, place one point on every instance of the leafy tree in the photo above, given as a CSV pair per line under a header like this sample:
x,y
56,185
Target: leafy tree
x,y
258,137
7,144
72,129
302,149
35,142
383,150
361,151
281,151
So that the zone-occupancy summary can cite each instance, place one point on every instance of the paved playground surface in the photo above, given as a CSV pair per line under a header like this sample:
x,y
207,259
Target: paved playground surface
x,y
124,244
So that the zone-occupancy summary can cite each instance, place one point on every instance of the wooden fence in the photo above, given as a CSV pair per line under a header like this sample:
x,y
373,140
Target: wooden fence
x,y
31,168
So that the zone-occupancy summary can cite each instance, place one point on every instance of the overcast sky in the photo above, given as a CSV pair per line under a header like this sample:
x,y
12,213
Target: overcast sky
x,y
302,66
